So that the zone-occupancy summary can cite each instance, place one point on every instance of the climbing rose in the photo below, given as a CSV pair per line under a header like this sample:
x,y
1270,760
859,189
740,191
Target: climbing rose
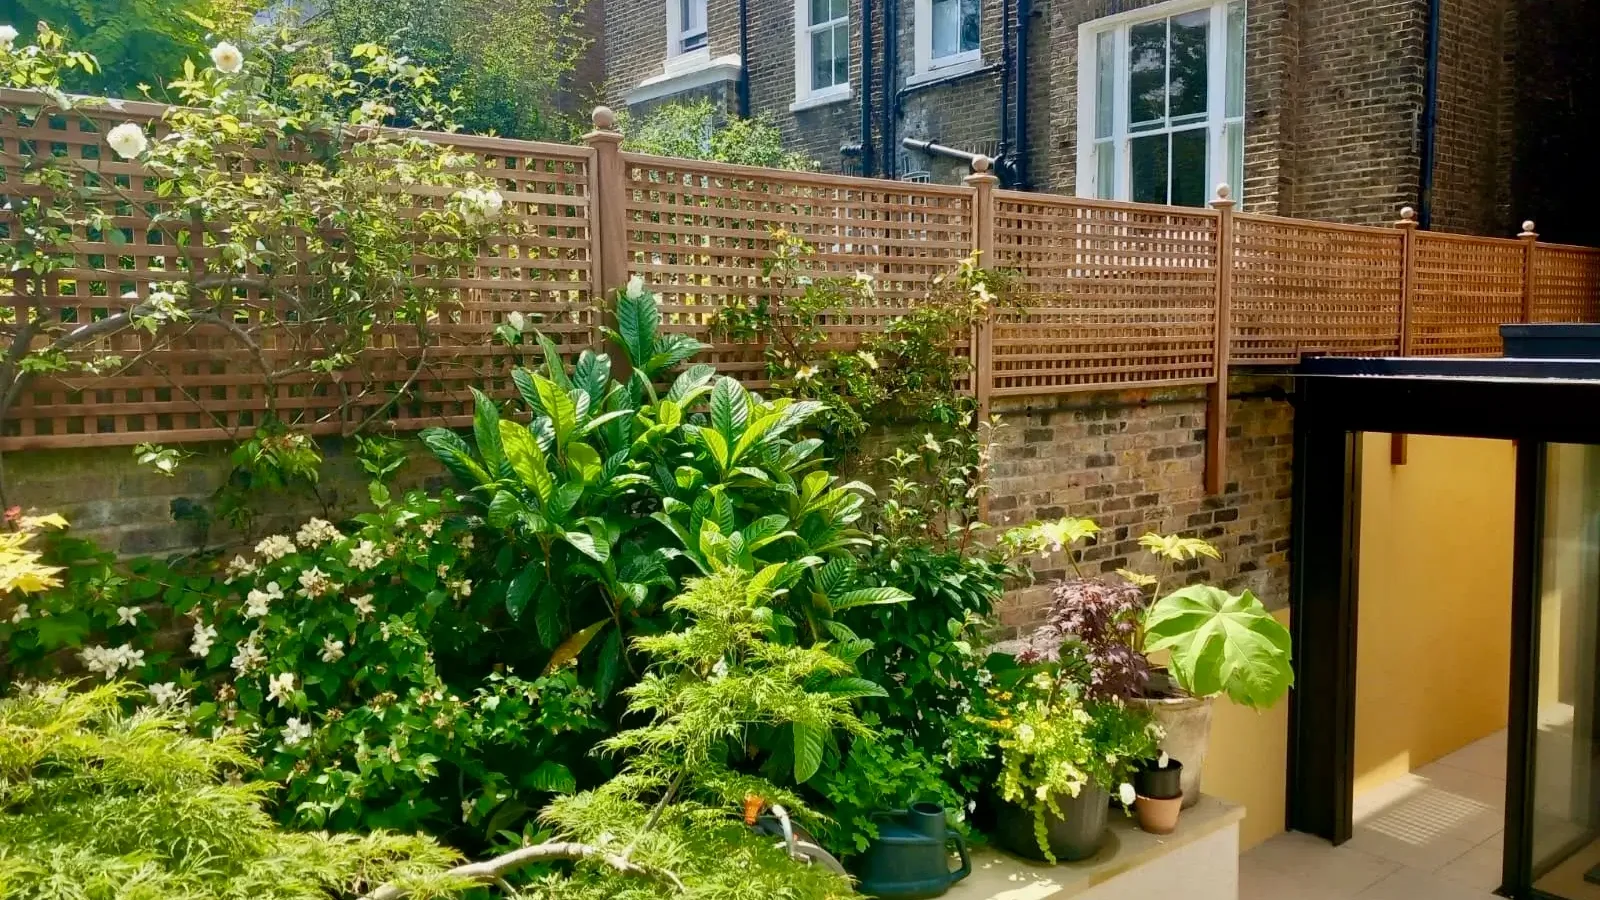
x,y
127,140
227,58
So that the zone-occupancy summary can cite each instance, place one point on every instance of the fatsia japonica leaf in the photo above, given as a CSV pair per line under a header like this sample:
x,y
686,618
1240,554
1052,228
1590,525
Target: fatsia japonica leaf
x,y
1222,643
1177,548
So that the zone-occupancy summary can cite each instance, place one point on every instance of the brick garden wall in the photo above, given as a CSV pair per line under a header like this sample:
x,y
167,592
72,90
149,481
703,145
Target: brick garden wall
x,y
1134,462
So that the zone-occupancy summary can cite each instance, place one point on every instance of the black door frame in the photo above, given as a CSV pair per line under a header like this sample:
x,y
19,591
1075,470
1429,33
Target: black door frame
x,y
1528,401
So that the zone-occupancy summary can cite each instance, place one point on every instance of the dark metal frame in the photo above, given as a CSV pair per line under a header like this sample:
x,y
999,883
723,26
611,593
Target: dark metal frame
x,y
1529,401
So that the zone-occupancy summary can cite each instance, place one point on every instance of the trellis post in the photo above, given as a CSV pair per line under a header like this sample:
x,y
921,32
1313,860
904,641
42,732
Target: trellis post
x,y
983,182
608,230
1530,246
1217,390
1408,289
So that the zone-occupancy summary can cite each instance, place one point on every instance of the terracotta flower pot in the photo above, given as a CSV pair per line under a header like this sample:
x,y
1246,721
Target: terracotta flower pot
x,y
1158,816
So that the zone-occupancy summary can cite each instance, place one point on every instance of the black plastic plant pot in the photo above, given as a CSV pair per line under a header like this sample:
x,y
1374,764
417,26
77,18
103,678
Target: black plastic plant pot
x,y
1551,341
1159,783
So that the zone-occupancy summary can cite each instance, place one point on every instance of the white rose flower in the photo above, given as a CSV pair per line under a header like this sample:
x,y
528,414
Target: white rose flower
x,y
295,731
20,613
332,650
1127,794
280,688
636,286
8,36
127,140
127,615
227,58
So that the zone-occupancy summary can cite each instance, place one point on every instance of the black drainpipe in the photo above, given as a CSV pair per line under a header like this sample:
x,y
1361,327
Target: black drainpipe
x,y
891,53
743,85
1006,68
866,87
1430,119
1019,135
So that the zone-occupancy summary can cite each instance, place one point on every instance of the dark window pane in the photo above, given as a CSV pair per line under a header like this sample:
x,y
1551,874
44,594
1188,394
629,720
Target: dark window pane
x,y
841,54
1189,167
1147,72
1148,162
840,8
946,27
821,59
1187,81
819,11
969,25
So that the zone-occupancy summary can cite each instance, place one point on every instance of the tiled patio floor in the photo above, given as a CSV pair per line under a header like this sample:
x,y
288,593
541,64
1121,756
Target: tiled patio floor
x,y
1432,835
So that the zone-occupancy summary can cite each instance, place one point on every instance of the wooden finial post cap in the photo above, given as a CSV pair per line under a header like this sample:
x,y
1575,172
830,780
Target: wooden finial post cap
x,y
981,164
603,118
1527,229
1223,191
1407,214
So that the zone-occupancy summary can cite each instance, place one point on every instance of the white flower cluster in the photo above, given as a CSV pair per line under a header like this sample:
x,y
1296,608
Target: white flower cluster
x,y
1127,794
168,694
8,36
204,637
259,602
364,556
478,205
314,582
248,657
275,547
127,615
460,588
108,661
636,287
317,532
295,731
332,650
239,567
280,688
363,605
20,613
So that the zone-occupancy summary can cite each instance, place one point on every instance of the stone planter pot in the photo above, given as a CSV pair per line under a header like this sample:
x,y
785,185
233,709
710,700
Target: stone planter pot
x,y
1187,723
1076,834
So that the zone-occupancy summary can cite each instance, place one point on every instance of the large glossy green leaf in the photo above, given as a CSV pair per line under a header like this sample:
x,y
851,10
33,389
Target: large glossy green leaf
x,y
504,509
572,646
547,615
730,408
454,454
808,742
691,384
609,664
638,320
551,777
588,545
526,459
716,445
592,375
868,597
1222,643
521,589
486,430
584,462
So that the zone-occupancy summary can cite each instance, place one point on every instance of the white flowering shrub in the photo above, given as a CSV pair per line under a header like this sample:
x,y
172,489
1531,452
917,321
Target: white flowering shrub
x,y
305,258
335,654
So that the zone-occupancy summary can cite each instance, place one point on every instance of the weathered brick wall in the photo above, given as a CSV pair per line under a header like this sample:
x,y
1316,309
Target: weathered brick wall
x,y
1555,181
129,509
1472,177
1134,462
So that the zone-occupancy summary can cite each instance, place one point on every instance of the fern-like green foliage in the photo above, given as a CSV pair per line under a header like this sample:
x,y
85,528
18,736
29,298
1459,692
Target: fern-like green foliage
x,y
96,804
714,686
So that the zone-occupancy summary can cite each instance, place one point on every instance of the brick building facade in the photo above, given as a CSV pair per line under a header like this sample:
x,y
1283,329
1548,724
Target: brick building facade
x,y
1335,95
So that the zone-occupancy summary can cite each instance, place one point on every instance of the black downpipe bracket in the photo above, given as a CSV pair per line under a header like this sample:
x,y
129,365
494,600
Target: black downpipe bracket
x,y
1019,135
1430,119
743,85
866,87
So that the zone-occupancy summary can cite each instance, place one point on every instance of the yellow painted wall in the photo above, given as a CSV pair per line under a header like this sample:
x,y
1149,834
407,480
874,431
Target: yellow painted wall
x,y
1247,762
1433,640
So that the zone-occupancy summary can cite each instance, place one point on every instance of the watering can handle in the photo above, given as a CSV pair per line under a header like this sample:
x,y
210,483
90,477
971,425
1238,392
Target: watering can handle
x,y
966,861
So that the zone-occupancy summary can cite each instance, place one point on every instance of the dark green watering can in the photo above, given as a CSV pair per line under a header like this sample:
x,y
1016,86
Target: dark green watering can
x,y
910,859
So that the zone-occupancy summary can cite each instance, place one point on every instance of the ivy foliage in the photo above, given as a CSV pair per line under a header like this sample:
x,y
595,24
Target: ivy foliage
x,y
99,804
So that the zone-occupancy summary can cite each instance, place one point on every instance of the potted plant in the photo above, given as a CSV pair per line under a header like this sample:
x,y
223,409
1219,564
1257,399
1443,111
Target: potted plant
x,y
1061,756
1158,794
1217,642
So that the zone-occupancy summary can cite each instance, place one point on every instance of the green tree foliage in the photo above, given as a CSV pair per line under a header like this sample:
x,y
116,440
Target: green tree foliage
x,y
699,131
137,41
721,678
98,804
505,62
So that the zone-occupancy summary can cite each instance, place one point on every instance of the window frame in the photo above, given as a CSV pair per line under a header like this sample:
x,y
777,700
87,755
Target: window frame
x,y
1217,121
676,34
806,95
926,64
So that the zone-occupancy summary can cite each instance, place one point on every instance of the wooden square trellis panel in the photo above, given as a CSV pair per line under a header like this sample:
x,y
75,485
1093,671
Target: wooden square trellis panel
x,y
201,382
1116,295
699,233
1320,287
1566,283
1463,290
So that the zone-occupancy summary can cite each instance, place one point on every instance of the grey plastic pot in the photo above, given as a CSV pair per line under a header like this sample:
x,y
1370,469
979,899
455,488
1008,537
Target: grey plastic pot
x,y
1187,723
1077,833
